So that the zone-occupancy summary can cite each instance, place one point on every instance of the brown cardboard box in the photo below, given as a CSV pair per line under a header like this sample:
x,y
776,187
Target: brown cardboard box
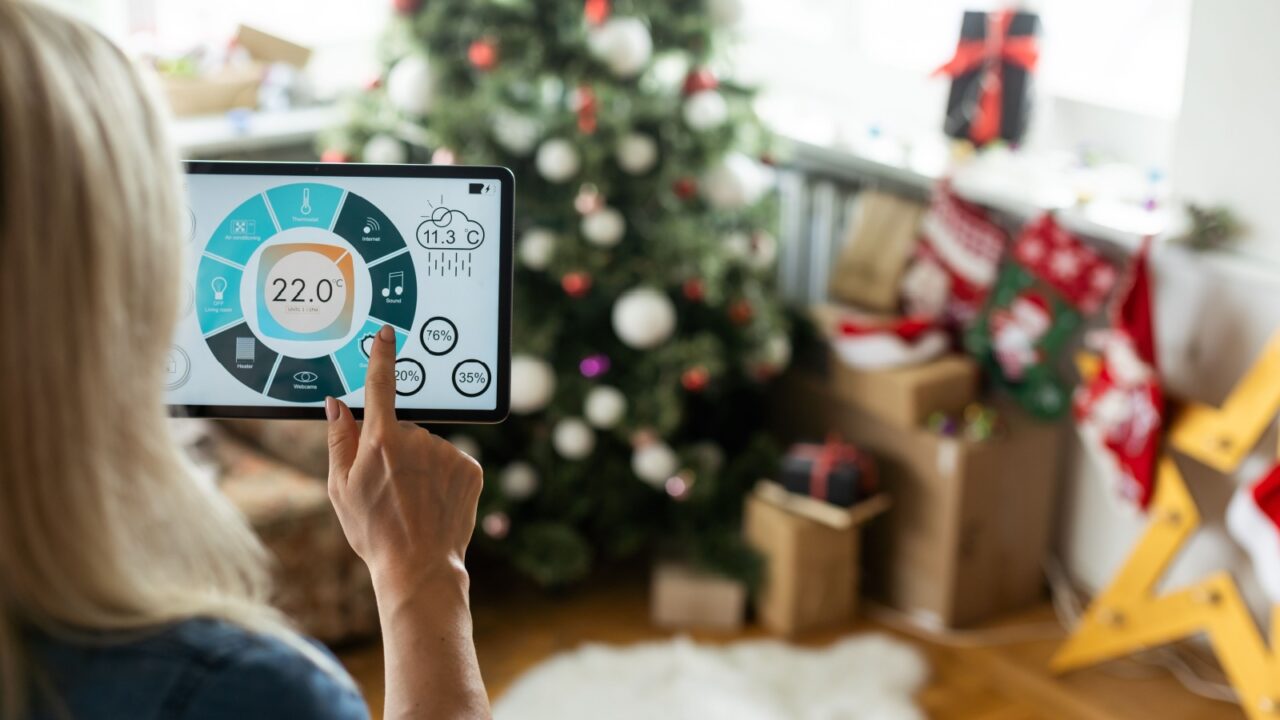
x,y
682,597
903,396
233,87
970,526
811,557
869,270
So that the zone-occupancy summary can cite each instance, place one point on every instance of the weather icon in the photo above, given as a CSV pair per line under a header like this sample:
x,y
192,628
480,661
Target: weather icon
x,y
447,229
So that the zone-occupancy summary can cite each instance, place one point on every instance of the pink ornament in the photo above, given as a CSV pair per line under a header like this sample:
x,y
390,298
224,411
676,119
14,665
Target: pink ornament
x,y
444,156
496,525
593,366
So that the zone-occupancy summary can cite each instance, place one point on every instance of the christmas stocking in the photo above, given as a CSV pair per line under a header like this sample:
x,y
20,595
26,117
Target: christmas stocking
x,y
955,261
1121,409
1253,519
1033,311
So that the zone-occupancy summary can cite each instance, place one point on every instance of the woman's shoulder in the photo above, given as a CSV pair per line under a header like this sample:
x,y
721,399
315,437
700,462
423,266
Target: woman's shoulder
x,y
203,669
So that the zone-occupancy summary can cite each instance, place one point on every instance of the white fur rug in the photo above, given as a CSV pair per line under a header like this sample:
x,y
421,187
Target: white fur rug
x,y
869,677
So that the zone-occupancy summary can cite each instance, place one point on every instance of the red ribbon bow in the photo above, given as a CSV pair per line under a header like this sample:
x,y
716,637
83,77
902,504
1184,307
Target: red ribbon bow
x,y
825,458
990,54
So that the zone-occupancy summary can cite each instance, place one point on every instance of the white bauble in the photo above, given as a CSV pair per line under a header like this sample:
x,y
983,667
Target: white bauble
x,y
725,13
764,250
466,444
533,382
517,134
623,44
643,318
776,353
605,406
518,480
735,182
604,227
384,150
736,245
654,463
410,86
558,160
637,153
573,439
536,248
705,110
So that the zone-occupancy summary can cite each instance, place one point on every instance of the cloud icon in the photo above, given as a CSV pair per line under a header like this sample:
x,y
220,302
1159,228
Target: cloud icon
x,y
450,230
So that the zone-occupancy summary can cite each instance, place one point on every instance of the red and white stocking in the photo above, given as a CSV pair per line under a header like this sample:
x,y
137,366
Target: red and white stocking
x,y
955,262
1253,519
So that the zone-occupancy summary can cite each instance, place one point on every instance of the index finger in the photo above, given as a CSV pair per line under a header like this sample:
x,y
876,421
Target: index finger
x,y
380,381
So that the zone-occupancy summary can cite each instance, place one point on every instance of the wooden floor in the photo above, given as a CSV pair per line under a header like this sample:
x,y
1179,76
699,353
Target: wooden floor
x,y
516,630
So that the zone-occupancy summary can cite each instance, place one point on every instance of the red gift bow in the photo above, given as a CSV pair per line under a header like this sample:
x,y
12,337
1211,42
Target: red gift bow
x,y
991,53
824,458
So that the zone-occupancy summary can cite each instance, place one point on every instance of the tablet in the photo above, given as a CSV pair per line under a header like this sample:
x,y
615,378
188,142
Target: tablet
x,y
293,267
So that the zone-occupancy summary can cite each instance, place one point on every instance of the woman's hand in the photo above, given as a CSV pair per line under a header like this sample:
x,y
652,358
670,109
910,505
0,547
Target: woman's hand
x,y
407,503
406,498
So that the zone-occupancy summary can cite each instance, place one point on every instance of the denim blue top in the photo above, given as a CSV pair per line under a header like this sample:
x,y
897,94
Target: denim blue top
x,y
195,670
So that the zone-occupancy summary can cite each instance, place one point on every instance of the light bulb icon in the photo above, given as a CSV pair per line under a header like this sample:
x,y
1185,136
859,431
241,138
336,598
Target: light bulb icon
x,y
306,201
219,285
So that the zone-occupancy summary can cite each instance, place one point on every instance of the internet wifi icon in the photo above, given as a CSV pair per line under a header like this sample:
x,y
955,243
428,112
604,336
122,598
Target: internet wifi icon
x,y
371,226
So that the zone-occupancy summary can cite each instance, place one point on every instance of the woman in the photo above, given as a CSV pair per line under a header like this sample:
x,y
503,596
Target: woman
x,y
128,589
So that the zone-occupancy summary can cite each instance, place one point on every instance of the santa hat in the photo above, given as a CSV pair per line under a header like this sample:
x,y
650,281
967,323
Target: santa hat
x,y
876,345
1253,519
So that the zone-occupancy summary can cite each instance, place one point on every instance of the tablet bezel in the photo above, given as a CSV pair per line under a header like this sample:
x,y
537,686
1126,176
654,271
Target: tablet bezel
x,y
506,232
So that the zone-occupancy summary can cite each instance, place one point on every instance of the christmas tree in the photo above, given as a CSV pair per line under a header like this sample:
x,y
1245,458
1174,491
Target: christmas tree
x,y
645,323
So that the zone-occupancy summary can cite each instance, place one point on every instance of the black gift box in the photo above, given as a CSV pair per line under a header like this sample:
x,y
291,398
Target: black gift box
x,y
1004,67
835,472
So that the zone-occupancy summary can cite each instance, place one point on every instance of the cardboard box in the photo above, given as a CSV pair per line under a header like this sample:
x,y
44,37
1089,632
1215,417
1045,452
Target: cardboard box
x,y
685,598
905,396
811,557
233,87
970,526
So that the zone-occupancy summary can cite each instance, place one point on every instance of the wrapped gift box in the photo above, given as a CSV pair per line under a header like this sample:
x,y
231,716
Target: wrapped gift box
x,y
685,598
811,551
833,471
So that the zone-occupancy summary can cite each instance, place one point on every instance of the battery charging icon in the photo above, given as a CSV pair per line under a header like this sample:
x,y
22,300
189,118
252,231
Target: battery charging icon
x,y
476,188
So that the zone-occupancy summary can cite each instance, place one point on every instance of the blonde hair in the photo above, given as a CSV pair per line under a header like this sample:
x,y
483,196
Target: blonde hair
x,y
103,525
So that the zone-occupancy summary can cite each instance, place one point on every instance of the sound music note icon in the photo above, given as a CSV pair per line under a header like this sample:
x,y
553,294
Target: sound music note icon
x,y
396,279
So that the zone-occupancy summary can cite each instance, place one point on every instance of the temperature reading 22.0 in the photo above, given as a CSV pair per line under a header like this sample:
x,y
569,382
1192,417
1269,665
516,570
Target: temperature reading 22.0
x,y
295,290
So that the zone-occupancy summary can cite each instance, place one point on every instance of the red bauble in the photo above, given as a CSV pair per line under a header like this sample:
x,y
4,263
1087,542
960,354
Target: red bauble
x,y
584,101
576,284
373,83
741,312
695,379
699,80
685,188
483,54
596,11
694,289
406,7
334,155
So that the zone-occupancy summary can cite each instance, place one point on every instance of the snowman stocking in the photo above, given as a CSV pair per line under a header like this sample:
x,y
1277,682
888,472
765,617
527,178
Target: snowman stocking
x,y
1034,310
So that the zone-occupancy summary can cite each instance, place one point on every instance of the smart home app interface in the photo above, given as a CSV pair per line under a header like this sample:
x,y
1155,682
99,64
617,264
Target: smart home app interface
x,y
290,278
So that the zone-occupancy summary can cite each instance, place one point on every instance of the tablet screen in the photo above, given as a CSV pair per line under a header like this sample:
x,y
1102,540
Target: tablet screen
x,y
292,269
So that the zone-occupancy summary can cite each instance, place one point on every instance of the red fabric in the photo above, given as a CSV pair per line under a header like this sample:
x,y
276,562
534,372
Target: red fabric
x,y
1266,495
1129,411
1062,260
960,239
990,54
908,328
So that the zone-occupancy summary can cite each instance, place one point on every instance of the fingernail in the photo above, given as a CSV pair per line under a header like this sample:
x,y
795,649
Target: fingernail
x,y
331,409
387,334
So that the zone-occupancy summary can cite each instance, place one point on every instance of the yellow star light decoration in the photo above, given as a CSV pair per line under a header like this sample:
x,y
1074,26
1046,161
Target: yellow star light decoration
x,y
1129,616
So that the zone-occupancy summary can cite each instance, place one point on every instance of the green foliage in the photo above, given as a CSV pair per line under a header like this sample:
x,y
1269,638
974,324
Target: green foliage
x,y
597,508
